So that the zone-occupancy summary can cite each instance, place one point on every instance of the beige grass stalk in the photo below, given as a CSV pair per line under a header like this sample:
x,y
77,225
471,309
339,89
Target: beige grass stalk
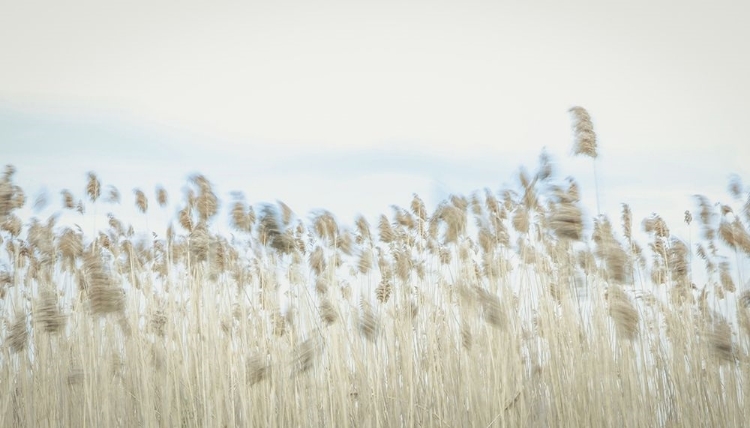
x,y
585,142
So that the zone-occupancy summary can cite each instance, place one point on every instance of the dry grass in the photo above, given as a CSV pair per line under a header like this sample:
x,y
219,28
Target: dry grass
x,y
499,309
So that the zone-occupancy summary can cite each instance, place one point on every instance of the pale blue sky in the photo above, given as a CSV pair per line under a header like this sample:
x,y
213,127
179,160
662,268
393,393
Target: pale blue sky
x,y
354,106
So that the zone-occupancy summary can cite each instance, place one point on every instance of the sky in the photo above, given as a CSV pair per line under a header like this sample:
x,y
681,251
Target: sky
x,y
354,106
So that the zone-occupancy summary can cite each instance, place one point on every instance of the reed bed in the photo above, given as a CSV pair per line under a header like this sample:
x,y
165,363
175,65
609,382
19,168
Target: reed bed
x,y
500,308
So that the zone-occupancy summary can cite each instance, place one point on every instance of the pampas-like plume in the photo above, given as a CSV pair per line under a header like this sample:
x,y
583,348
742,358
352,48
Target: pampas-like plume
x,y
279,324
199,240
546,169
6,197
318,261
727,283
679,264
159,321
385,230
566,221
491,203
41,237
104,296
19,198
325,226
306,354
492,308
286,213
744,299
269,228
141,202
70,245
735,186
363,230
41,201
47,311
521,220
403,218
328,312
623,312
239,219
610,251
719,338
403,263
418,208
113,195
116,225
284,243
364,264
207,205
321,285
627,222
18,335
368,322
707,215
656,225
486,240
345,243
12,225
162,198
68,201
257,369
454,217
583,128
186,219
93,188
383,290
735,235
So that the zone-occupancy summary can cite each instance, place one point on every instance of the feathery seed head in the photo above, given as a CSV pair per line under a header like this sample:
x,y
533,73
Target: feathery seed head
x,y
93,187
583,129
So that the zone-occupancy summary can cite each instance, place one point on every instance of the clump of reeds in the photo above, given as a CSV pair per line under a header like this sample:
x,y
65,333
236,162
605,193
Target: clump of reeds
x,y
484,311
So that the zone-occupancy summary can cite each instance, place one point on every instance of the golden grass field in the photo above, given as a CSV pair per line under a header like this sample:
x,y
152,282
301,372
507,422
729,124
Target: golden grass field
x,y
501,308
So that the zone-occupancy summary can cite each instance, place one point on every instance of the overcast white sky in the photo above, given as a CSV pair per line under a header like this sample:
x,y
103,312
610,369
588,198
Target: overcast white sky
x,y
356,105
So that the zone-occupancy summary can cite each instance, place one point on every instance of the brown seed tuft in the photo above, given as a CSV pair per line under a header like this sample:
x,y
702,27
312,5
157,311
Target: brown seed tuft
x,y
18,335
256,369
492,308
104,296
383,291
583,129
623,312
521,220
328,312
368,322
141,202
306,354
566,221
93,187
47,311
162,198
727,283
317,261
719,338
68,201
744,299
